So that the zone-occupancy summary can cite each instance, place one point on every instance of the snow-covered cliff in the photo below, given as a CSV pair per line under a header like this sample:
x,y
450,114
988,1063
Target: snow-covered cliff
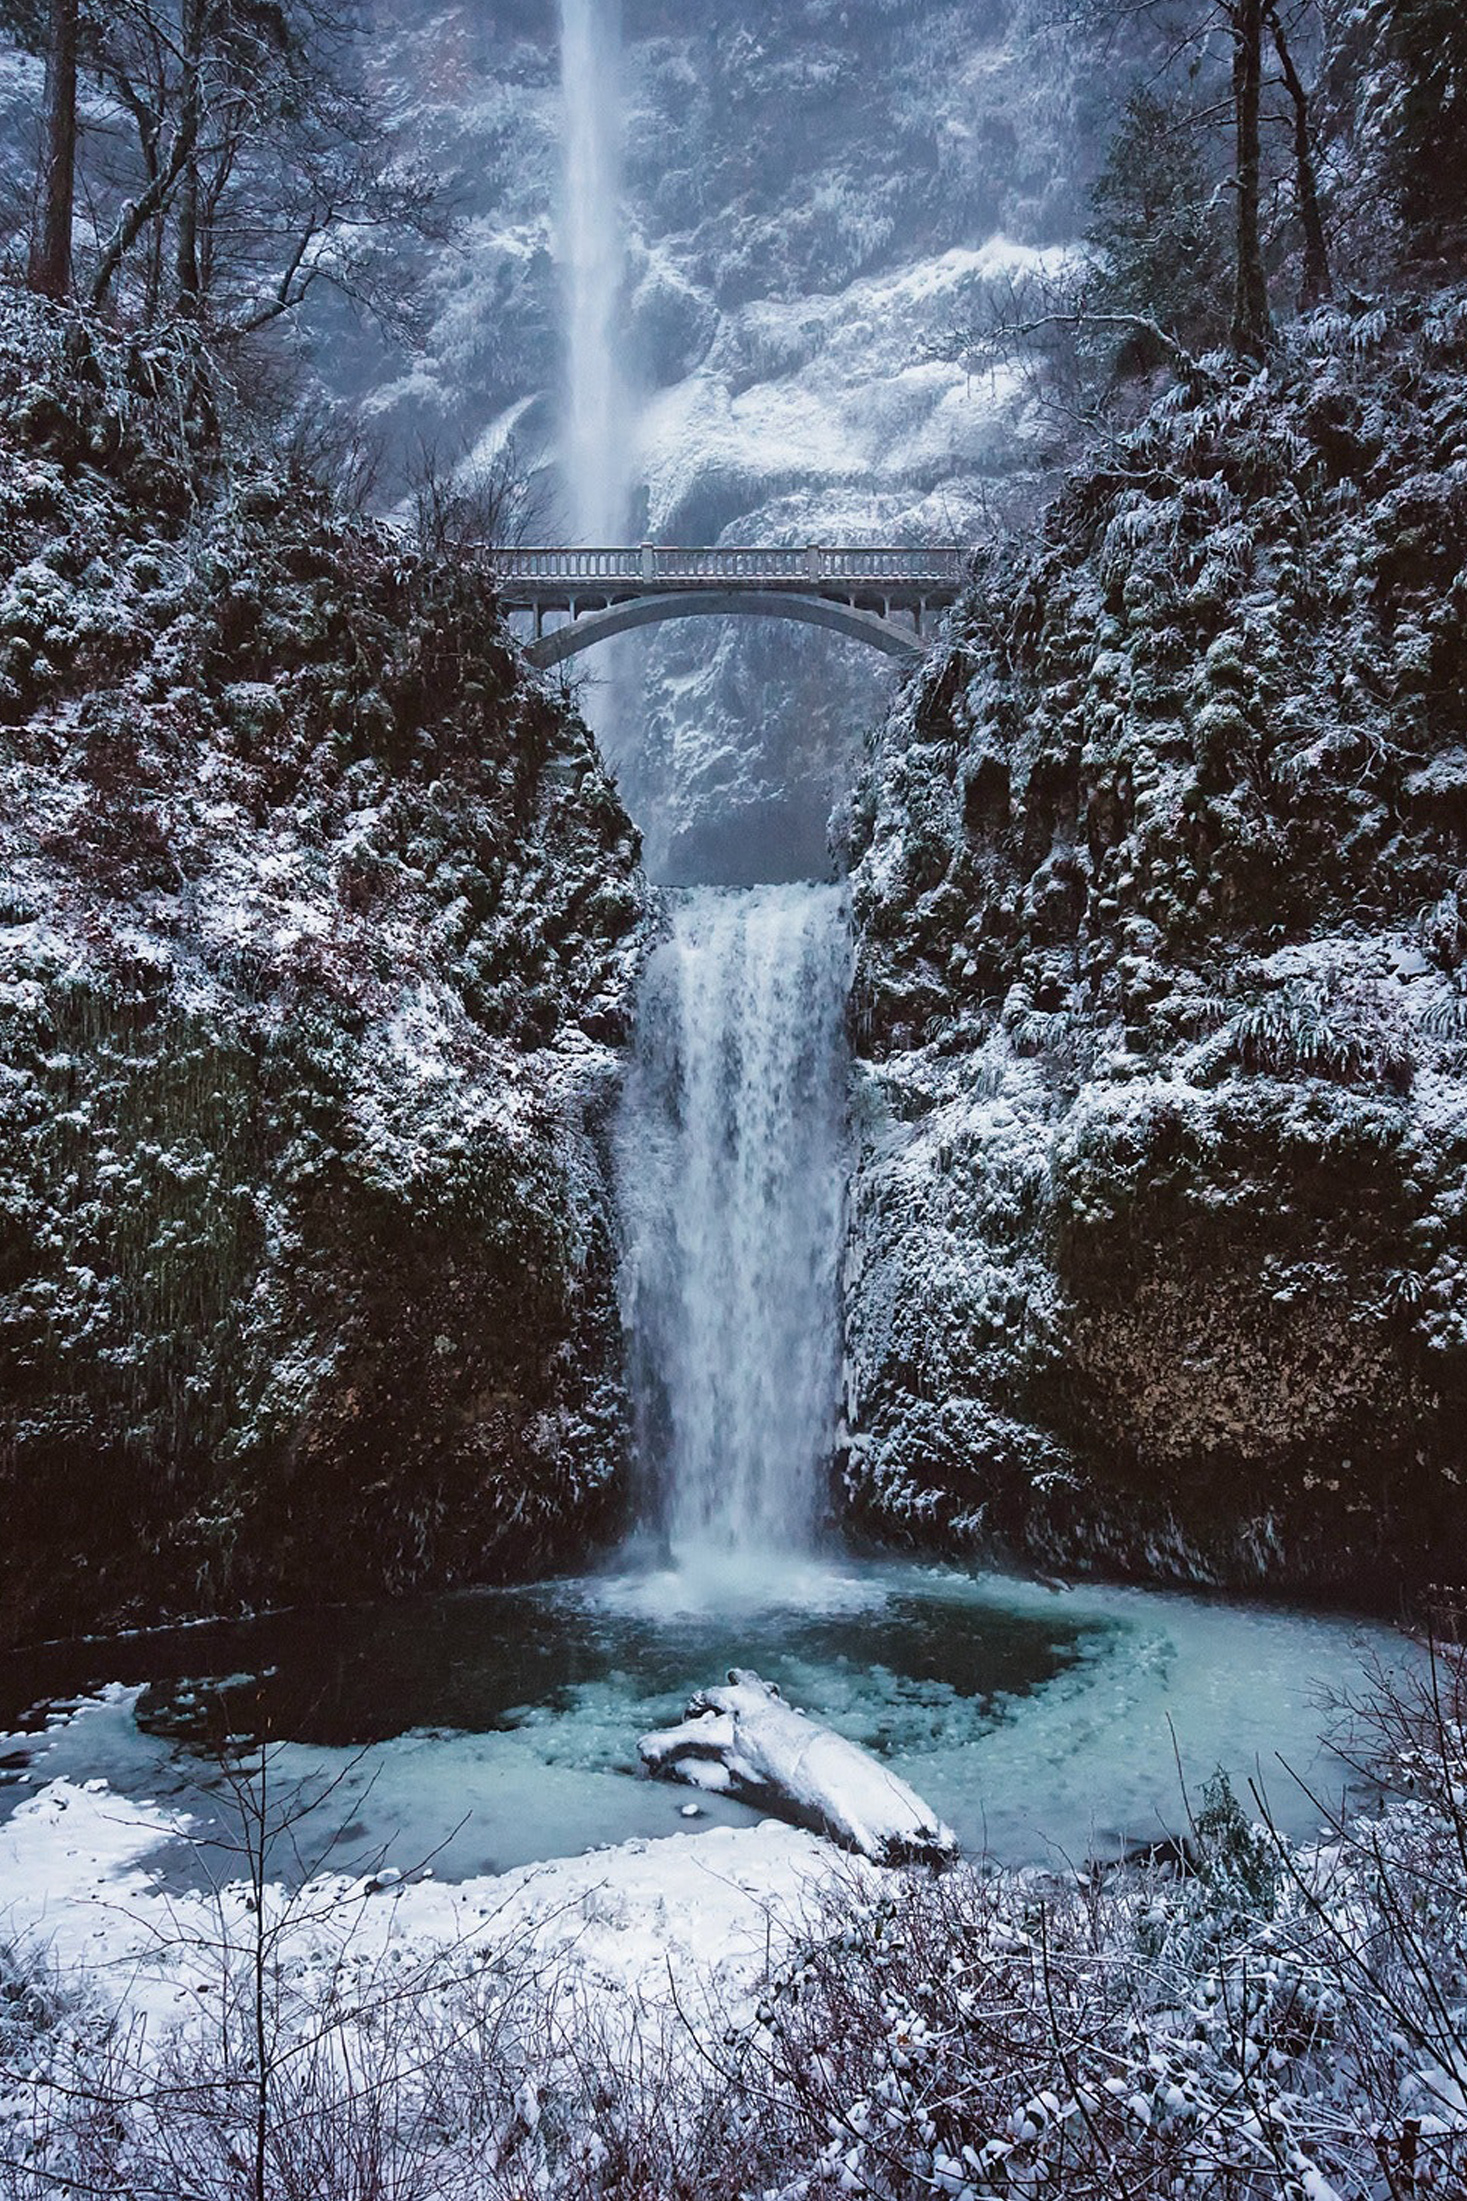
x,y
317,931
1157,1233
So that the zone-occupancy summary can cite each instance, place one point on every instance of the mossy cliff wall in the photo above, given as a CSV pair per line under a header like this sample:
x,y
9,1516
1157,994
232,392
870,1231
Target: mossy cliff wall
x,y
1158,1248
318,923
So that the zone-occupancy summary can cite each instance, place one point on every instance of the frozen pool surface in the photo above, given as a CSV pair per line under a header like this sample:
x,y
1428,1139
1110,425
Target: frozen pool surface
x,y
491,1729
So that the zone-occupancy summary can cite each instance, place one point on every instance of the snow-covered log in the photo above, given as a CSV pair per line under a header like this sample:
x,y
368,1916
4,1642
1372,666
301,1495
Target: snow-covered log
x,y
745,1741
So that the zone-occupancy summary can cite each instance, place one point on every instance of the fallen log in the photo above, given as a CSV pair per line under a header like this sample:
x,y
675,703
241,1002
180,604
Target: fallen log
x,y
745,1741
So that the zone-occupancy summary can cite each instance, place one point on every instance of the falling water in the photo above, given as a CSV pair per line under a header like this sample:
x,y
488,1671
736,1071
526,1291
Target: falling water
x,y
597,429
731,1167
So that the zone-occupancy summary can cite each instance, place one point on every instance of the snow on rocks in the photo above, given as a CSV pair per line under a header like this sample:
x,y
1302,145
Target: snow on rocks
x,y
1160,1128
746,1741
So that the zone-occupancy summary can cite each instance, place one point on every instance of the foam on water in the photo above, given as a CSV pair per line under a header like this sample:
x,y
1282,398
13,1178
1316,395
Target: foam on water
x,y
727,1588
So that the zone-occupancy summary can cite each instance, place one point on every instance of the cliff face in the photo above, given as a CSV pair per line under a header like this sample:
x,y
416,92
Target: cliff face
x,y
1157,1234
317,929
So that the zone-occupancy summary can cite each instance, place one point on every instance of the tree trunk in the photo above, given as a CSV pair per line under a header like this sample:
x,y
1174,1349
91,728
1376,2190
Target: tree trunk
x,y
186,237
1314,284
50,260
149,124
1252,331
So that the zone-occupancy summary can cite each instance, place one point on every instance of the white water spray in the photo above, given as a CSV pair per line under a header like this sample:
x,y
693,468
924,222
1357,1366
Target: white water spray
x,y
597,435
731,1166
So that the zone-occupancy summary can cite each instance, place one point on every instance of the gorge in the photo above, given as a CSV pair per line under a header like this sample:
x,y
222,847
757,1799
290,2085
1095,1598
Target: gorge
x,y
750,1214
733,1045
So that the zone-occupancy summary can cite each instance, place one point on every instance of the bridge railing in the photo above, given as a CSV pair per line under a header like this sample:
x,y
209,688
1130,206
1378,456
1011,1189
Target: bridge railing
x,y
939,564
567,565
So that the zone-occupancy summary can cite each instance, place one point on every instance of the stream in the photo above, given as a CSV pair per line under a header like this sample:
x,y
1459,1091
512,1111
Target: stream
x,y
484,1730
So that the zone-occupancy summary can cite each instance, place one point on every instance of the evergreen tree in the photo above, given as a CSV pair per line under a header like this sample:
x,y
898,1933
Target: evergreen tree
x,y
1190,34
1157,228
1429,38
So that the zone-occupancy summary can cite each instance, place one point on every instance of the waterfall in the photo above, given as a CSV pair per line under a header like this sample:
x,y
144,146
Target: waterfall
x,y
731,1167
597,434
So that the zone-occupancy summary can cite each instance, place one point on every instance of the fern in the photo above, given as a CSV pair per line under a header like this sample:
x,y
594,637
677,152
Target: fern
x,y
1305,1029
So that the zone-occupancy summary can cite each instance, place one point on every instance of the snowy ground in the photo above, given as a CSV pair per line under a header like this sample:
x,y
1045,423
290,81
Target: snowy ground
x,y
698,1917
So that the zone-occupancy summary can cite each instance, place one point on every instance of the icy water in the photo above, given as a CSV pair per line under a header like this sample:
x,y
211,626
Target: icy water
x,y
731,1171
488,1730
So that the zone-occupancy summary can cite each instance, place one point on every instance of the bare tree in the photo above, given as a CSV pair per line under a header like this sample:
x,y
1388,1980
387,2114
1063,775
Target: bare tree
x,y
469,510
54,29
255,164
1315,285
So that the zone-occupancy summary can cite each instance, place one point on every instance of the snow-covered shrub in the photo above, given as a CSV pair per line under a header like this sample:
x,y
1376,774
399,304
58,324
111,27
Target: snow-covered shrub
x,y
1309,1027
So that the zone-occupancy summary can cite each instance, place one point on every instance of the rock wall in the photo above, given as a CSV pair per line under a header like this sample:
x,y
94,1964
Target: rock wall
x,y
318,924
1157,1239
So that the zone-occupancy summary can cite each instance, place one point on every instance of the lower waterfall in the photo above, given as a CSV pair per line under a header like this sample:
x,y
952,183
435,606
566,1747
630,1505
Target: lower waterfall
x,y
731,1168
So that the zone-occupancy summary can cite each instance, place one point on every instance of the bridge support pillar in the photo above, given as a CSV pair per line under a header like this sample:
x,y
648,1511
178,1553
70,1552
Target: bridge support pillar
x,y
649,562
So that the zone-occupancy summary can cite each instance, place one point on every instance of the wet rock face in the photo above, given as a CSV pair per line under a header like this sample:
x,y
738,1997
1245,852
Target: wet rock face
x,y
1157,1230
317,934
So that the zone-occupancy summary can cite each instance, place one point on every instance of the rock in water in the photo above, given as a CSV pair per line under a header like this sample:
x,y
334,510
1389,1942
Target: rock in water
x,y
745,1741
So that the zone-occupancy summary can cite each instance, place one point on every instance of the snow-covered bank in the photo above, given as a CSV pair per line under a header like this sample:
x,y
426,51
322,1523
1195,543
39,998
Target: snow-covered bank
x,y
726,2017
457,2013
699,1914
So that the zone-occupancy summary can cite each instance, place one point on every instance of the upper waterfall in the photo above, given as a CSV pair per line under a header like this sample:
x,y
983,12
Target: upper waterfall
x,y
597,440
731,1169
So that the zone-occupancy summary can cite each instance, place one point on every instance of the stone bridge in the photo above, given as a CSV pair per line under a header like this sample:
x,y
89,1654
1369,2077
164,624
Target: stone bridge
x,y
880,597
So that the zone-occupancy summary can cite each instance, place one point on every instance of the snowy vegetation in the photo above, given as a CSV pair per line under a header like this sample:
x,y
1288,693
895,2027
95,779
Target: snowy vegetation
x,y
1155,1246
316,939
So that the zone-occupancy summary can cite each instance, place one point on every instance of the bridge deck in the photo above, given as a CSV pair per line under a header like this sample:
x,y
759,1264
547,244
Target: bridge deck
x,y
553,578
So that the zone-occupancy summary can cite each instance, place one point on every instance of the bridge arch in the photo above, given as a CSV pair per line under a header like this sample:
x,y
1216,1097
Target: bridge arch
x,y
582,632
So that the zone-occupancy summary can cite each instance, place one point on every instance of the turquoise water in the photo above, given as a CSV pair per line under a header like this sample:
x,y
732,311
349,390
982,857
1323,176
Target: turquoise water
x,y
487,1730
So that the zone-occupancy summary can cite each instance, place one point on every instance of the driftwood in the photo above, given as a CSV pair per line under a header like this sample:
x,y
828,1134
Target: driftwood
x,y
745,1741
